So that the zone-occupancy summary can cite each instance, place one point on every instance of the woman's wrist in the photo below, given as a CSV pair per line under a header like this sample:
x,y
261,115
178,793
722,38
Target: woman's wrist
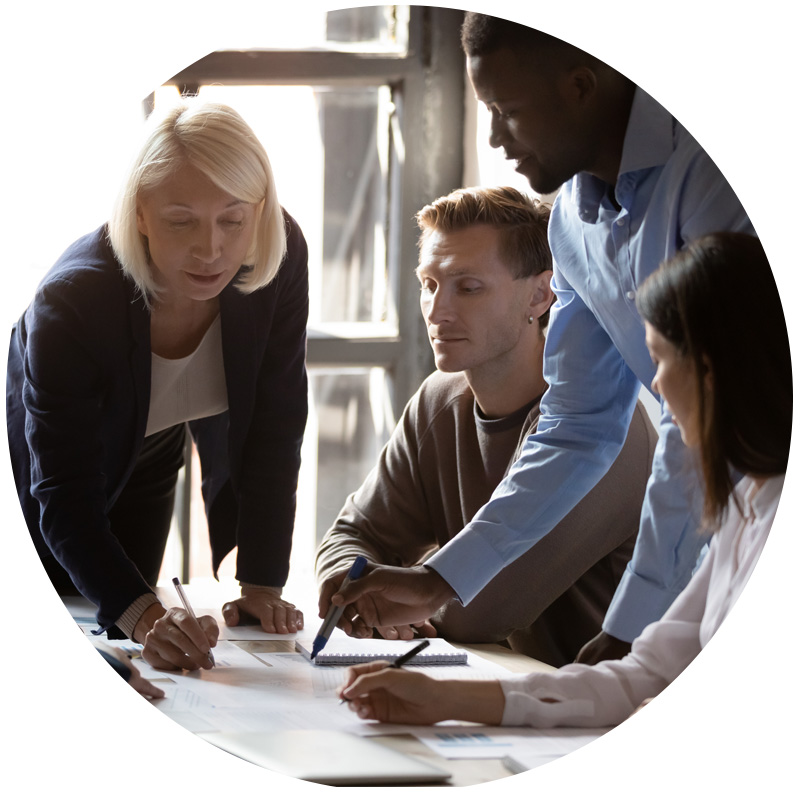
x,y
480,701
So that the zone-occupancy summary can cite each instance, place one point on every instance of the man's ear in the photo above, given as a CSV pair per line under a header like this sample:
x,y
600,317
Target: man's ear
x,y
581,83
542,296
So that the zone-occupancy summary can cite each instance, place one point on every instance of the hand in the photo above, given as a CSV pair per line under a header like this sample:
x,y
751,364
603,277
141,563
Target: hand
x,y
604,647
264,606
352,624
349,622
124,666
177,641
423,629
391,596
142,685
376,691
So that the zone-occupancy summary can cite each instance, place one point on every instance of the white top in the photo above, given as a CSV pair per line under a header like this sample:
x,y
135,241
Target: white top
x,y
182,389
607,693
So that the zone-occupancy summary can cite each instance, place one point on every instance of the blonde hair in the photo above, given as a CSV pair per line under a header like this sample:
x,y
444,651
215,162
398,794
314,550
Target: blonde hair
x,y
214,139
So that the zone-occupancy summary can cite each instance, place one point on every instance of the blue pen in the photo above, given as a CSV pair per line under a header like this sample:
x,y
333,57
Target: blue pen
x,y
335,612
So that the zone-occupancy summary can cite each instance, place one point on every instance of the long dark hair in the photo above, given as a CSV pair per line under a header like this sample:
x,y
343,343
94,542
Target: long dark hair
x,y
718,304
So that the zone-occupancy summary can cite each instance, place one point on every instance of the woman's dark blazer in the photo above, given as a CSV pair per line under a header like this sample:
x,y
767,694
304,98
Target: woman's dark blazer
x,y
77,401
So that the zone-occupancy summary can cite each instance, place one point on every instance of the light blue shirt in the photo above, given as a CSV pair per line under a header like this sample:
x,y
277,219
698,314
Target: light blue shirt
x,y
596,360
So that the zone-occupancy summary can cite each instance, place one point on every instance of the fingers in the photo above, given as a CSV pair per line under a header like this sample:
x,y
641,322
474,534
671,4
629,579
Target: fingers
x,y
281,618
425,629
329,587
145,688
210,629
369,681
230,613
397,631
353,673
354,590
272,613
360,629
178,641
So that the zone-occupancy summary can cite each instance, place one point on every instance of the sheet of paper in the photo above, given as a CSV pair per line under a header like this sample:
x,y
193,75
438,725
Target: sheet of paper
x,y
525,745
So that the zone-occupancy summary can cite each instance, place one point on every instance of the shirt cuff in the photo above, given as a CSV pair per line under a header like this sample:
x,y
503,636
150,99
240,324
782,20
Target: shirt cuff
x,y
133,613
467,563
636,603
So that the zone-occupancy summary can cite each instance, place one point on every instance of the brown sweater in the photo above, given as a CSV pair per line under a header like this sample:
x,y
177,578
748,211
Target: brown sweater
x,y
441,464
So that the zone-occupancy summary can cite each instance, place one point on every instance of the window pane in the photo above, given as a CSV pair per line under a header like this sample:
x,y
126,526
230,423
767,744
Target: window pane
x,y
330,166
353,420
372,29
349,421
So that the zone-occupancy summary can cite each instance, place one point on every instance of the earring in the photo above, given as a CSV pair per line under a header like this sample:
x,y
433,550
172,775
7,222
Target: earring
x,y
530,320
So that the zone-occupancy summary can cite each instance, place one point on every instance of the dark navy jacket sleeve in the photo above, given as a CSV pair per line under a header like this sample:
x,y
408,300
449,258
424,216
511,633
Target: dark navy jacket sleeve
x,y
78,388
74,396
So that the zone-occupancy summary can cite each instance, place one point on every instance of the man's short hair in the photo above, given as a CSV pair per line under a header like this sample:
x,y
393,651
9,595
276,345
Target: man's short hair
x,y
521,219
481,34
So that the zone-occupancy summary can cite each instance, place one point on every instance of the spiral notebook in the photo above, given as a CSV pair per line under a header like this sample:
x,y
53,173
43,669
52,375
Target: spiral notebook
x,y
345,652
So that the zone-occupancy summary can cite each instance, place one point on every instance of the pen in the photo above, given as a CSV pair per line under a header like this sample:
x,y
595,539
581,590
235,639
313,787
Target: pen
x,y
190,612
335,612
403,659
406,657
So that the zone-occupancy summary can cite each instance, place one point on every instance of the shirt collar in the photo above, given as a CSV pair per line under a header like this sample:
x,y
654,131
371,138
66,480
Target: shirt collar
x,y
649,142
649,136
761,501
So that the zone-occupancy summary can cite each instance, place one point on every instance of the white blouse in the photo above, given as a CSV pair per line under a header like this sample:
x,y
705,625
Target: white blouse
x,y
183,389
607,693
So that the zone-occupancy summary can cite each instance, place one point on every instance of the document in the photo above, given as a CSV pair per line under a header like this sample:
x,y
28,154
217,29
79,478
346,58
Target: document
x,y
524,745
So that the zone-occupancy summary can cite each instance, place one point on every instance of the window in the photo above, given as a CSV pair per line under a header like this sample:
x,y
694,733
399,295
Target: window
x,y
361,113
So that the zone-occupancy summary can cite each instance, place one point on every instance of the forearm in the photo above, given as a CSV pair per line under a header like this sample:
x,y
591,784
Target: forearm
x,y
480,701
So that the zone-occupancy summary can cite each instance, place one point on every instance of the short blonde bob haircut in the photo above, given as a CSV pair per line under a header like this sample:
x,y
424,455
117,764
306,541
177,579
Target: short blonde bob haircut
x,y
213,138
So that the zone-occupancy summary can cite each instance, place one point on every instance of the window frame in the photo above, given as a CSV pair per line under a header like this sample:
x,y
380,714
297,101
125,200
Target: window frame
x,y
426,161
426,145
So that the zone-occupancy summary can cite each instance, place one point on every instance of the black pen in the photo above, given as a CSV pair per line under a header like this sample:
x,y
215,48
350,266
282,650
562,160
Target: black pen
x,y
406,657
190,612
403,659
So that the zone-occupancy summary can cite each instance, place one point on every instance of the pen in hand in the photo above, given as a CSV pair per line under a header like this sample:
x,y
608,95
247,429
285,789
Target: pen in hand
x,y
185,601
403,659
335,612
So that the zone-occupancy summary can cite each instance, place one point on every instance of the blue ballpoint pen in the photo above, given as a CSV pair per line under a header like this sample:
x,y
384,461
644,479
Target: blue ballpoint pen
x,y
335,612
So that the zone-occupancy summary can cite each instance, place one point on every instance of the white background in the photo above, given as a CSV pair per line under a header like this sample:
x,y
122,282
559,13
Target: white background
x,y
70,726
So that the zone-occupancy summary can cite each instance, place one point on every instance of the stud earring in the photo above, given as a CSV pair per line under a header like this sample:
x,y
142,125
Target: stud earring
x,y
530,320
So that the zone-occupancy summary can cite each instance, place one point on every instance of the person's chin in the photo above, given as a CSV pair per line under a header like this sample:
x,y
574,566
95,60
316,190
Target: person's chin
x,y
539,182
446,364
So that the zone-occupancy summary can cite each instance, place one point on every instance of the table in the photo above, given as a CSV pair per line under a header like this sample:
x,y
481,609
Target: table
x,y
465,772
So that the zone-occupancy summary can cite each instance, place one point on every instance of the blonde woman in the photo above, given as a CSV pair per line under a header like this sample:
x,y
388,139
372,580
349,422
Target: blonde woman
x,y
189,306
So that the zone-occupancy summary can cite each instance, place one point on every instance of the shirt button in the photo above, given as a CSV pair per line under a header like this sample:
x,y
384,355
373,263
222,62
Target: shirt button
x,y
620,222
631,295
